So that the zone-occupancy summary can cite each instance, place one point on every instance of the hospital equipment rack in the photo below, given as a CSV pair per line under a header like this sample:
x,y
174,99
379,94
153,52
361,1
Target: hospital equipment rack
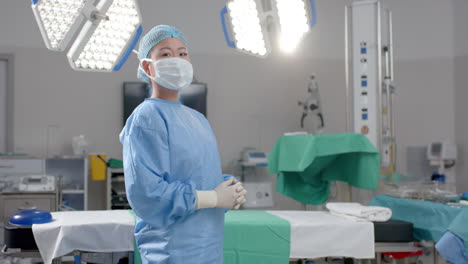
x,y
116,198
72,169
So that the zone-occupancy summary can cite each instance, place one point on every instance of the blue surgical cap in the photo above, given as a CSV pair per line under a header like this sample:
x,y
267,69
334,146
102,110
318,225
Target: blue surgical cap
x,y
151,39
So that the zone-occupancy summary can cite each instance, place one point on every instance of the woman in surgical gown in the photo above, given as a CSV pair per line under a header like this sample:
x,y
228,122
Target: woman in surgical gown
x,y
172,167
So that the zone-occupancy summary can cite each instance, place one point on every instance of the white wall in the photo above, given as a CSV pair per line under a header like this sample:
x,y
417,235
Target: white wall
x,y
461,90
460,22
423,28
423,33
251,101
3,105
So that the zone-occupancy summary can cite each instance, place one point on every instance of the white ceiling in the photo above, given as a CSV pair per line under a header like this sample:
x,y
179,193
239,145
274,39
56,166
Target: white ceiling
x,y
423,28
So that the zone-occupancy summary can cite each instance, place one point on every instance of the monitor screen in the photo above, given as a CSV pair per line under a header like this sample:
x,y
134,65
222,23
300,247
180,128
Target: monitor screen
x,y
194,97
134,93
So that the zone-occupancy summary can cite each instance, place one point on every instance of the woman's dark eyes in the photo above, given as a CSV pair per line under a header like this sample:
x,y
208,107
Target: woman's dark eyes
x,y
183,54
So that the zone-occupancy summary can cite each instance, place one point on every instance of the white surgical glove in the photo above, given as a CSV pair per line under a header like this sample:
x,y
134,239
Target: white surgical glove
x,y
206,199
227,195
241,200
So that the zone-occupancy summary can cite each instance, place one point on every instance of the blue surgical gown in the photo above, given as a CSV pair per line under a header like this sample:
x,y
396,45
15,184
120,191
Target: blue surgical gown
x,y
169,152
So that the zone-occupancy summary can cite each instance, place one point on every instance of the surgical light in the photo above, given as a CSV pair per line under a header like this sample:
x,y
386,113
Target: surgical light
x,y
248,30
250,20
99,35
293,20
58,20
103,46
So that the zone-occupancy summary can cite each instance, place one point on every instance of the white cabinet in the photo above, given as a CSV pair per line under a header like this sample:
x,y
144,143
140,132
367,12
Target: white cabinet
x,y
21,166
11,203
74,175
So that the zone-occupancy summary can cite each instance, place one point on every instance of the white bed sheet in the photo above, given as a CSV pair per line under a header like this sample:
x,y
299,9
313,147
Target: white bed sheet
x,y
94,231
316,234
313,234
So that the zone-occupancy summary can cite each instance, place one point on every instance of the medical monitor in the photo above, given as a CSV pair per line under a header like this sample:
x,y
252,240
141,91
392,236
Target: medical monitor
x,y
134,93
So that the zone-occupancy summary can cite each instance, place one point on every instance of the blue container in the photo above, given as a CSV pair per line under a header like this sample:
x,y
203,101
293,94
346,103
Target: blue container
x,y
30,217
464,196
438,177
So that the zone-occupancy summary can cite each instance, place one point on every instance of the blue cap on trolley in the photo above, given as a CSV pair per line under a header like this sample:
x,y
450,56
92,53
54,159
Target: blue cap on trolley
x,y
30,217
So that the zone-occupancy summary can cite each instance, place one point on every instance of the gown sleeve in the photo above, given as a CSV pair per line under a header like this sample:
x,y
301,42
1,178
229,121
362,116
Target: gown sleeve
x,y
146,166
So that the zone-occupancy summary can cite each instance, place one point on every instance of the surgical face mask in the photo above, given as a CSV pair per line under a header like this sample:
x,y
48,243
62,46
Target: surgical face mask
x,y
172,73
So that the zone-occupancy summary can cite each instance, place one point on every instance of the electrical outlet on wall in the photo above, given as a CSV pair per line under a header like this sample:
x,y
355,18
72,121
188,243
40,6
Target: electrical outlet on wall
x,y
259,195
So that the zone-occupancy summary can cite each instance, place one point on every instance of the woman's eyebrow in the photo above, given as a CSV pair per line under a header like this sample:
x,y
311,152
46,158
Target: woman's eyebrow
x,y
166,48
181,48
